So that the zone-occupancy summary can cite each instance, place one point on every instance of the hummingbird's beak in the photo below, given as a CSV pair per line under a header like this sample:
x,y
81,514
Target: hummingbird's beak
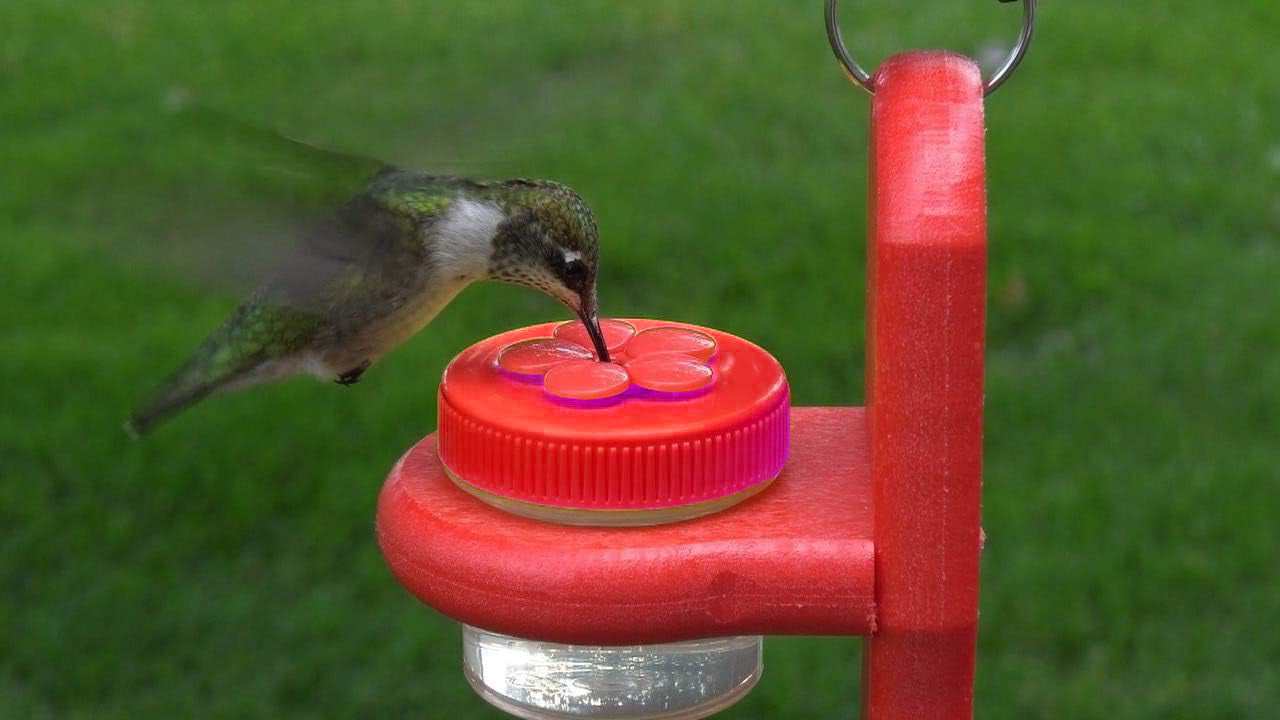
x,y
587,313
597,337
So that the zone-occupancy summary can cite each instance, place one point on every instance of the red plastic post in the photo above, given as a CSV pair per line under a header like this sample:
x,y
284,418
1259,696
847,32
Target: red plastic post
x,y
926,296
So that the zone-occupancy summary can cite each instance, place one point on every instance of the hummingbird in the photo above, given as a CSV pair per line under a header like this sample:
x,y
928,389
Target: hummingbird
x,y
379,269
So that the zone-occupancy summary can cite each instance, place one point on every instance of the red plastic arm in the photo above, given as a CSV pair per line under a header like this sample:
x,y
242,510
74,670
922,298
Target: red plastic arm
x,y
926,306
796,559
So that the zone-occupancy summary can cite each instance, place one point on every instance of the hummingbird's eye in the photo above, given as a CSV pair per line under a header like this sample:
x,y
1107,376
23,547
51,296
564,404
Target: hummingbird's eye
x,y
574,274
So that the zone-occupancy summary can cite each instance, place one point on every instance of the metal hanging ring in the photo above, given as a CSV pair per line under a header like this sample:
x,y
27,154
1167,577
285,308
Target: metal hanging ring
x,y
862,78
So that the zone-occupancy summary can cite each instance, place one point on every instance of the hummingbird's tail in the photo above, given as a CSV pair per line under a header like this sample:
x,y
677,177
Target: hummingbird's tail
x,y
256,343
180,391
213,367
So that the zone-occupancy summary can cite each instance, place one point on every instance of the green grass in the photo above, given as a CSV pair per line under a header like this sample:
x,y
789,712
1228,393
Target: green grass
x,y
226,566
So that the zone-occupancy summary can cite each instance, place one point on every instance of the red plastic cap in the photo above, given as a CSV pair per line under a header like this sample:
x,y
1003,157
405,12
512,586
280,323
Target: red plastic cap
x,y
687,415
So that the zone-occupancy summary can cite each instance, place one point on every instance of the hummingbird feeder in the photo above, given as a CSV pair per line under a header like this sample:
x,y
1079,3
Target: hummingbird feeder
x,y
616,538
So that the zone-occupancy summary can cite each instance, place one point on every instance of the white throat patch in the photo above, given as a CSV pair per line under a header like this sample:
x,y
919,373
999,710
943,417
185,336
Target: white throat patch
x,y
463,240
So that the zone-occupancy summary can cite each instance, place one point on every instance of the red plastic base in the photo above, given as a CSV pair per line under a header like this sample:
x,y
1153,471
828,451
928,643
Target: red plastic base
x,y
797,559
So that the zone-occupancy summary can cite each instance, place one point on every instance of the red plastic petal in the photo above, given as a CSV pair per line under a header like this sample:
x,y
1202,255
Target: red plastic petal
x,y
616,333
586,380
537,356
672,340
669,372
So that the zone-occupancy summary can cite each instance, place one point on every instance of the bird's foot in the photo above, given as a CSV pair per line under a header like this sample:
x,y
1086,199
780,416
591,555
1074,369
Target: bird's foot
x,y
352,376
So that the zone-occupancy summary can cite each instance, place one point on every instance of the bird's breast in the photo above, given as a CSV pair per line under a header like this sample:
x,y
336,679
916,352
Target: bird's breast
x,y
404,316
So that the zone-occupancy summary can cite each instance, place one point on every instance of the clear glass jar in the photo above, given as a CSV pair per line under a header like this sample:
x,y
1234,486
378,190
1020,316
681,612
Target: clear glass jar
x,y
550,681
695,421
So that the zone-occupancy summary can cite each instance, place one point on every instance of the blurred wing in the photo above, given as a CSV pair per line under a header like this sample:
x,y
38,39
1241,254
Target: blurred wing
x,y
213,199
368,248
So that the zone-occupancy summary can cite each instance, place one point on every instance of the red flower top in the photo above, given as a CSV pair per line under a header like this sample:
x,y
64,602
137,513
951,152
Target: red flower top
x,y
664,359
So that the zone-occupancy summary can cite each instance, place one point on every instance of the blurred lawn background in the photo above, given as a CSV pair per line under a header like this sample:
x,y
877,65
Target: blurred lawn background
x,y
226,566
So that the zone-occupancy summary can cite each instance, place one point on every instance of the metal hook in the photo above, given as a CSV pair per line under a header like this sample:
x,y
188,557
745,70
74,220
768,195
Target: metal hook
x,y
862,78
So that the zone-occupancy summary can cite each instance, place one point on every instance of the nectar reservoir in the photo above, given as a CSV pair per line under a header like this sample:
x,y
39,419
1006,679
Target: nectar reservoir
x,y
682,422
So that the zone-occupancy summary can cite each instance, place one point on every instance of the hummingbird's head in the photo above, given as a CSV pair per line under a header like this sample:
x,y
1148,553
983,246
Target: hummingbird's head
x,y
549,242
